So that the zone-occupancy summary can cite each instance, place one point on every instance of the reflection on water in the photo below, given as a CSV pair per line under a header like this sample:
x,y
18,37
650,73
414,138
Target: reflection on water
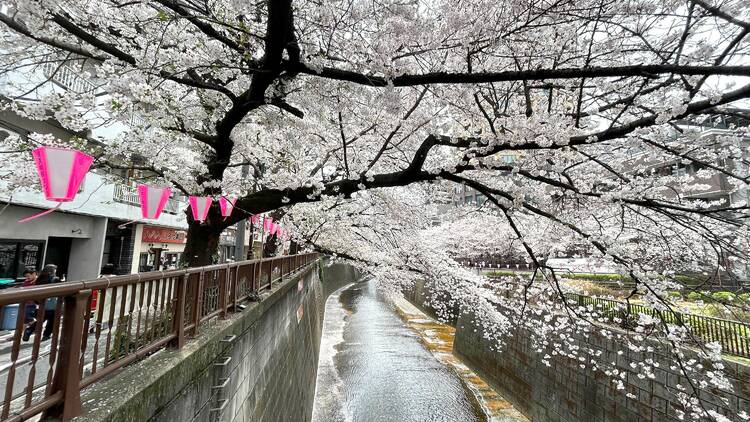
x,y
374,368
438,338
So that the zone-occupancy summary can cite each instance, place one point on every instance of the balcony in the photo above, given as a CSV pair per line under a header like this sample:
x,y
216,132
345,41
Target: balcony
x,y
67,77
129,195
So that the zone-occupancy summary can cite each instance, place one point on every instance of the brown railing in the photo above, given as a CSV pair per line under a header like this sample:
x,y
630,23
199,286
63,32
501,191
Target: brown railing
x,y
734,336
98,326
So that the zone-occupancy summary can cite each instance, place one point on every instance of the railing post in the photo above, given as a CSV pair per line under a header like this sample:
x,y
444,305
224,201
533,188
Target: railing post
x,y
270,274
234,285
67,376
223,284
253,280
178,318
197,303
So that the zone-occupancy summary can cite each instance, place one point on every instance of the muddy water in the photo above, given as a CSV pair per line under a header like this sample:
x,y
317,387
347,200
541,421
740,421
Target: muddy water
x,y
375,368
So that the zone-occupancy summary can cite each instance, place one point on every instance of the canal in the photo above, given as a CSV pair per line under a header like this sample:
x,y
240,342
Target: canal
x,y
374,368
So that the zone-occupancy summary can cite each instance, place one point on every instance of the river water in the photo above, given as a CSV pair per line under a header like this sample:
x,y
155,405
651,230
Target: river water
x,y
374,368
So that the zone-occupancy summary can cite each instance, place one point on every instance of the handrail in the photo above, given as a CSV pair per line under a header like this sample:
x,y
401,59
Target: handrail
x,y
98,326
734,336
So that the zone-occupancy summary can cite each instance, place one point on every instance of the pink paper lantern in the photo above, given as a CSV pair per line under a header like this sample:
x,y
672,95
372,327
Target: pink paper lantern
x,y
254,219
267,223
61,171
200,205
153,199
227,206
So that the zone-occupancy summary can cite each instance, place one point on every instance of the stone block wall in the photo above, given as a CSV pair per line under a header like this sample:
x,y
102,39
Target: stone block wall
x,y
565,392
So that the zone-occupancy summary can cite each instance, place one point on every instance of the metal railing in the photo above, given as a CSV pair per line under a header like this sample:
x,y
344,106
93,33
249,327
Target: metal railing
x,y
67,77
129,195
96,327
734,336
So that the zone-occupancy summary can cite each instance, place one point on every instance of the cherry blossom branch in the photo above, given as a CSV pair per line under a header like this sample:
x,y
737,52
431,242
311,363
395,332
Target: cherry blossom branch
x,y
647,71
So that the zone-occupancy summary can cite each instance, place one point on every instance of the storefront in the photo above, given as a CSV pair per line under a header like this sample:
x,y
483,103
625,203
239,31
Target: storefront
x,y
160,248
72,242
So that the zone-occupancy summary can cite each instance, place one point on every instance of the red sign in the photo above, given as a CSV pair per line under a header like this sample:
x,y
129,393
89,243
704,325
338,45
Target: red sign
x,y
162,235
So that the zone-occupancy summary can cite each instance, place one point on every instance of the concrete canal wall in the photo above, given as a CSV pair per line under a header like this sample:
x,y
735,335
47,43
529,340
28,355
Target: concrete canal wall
x,y
565,392
259,365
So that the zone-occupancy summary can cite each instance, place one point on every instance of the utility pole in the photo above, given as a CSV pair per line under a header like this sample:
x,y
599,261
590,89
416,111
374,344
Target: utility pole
x,y
239,235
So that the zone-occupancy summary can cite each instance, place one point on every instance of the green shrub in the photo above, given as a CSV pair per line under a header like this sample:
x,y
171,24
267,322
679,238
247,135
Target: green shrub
x,y
744,297
673,294
693,296
596,277
723,296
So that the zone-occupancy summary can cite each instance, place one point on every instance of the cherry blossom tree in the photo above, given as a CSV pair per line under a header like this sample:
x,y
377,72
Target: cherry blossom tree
x,y
353,116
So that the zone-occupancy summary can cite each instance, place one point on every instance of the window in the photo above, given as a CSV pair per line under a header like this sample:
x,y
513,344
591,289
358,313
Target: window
x,y
8,259
17,255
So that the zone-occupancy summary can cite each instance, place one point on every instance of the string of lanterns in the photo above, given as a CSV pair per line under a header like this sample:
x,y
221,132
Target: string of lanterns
x,y
61,172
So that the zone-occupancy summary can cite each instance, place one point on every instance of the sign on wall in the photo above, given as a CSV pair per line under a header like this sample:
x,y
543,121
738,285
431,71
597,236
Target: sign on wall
x,y
163,235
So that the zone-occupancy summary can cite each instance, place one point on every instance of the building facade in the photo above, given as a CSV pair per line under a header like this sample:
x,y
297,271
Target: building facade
x,y
103,226
99,227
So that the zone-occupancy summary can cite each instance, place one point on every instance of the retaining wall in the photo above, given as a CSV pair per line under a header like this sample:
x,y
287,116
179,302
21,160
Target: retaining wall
x,y
258,365
566,392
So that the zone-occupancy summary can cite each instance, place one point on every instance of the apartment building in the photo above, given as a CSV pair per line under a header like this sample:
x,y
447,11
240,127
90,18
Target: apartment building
x,y
709,133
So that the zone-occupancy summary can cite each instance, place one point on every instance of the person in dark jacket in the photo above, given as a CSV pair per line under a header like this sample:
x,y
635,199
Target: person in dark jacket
x,y
47,276
29,279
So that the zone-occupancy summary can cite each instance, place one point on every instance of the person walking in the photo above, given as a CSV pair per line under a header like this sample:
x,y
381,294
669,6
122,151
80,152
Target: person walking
x,y
29,279
47,276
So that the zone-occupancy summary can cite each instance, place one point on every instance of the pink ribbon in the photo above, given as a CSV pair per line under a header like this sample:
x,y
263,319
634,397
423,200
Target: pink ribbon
x,y
41,214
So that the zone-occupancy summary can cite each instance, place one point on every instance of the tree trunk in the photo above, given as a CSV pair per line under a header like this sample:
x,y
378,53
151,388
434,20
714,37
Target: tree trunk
x,y
269,248
202,247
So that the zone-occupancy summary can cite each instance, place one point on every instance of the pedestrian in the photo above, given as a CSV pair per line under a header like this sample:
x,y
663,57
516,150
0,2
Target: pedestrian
x,y
47,276
29,279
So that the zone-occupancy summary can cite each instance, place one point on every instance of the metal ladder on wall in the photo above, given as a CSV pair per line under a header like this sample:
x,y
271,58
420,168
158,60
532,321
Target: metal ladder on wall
x,y
222,377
